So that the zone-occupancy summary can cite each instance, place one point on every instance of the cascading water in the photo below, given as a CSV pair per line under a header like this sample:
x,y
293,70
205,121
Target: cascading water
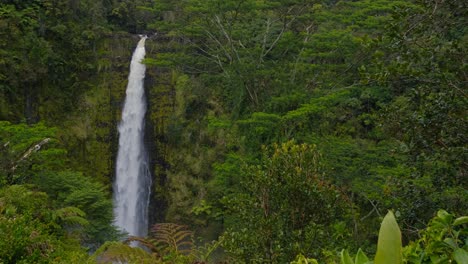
x,y
133,180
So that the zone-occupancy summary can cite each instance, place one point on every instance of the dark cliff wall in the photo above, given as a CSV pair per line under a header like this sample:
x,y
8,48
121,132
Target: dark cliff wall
x,y
91,132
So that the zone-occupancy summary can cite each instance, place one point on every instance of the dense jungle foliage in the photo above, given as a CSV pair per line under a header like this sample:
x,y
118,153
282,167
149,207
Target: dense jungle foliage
x,y
280,131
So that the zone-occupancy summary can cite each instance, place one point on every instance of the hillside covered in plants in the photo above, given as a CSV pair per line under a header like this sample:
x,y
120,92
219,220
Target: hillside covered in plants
x,y
278,131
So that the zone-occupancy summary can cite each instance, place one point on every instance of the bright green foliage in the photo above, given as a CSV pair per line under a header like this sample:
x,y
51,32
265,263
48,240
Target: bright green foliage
x,y
21,156
345,258
76,199
389,244
32,232
260,128
300,259
361,258
443,241
389,248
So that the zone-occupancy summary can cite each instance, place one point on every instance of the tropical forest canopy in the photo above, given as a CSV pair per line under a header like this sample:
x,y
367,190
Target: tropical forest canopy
x,y
278,130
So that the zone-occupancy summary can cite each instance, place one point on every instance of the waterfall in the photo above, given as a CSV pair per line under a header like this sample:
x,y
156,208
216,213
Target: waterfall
x,y
133,180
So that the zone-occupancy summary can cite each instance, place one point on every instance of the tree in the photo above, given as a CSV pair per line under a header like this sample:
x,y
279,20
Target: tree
x,y
420,61
73,189
46,167
284,206
33,231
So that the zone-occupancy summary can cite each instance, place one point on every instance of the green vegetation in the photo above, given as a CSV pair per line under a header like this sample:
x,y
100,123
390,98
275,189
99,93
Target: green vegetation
x,y
48,213
280,131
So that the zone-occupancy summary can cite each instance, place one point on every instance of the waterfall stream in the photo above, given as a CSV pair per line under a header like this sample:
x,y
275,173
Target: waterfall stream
x,y
133,180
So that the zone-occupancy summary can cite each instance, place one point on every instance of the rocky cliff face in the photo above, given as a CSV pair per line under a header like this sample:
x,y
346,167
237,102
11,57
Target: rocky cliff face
x,y
160,92
92,129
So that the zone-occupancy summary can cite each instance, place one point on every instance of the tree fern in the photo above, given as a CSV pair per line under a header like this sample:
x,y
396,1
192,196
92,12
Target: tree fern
x,y
203,253
149,243
173,238
167,241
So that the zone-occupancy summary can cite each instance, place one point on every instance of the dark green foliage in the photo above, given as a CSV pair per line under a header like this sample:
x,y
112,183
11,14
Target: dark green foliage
x,y
284,206
376,87
79,199
335,73
47,51
420,62
74,189
132,16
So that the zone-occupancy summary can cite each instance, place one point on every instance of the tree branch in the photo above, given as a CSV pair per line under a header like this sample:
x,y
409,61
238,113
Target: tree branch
x,y
29,152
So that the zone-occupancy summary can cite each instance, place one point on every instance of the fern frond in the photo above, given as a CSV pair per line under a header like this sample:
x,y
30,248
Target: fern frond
x,y
151,244
173,237
204,252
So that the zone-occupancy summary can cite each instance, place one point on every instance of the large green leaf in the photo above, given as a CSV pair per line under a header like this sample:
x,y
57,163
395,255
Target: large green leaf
x,y
461,256
345,258
361,258
460,220
389,249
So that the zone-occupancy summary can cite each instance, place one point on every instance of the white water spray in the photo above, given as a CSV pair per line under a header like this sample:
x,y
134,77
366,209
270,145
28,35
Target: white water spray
x,y
133,180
